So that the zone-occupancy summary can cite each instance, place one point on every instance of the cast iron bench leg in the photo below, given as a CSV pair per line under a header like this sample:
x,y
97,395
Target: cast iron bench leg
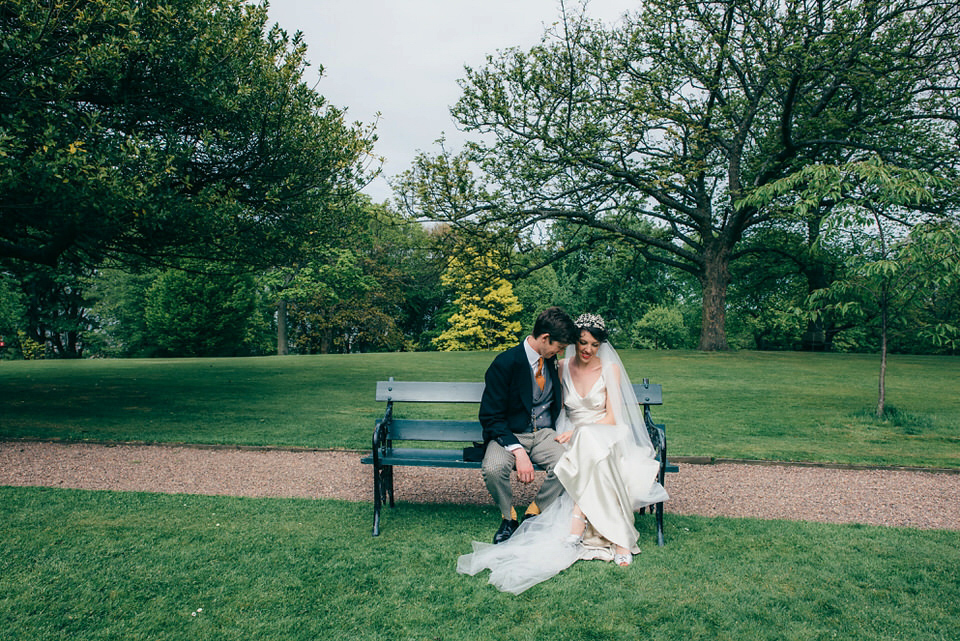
x,y
663,478
660,524
377,499
388,477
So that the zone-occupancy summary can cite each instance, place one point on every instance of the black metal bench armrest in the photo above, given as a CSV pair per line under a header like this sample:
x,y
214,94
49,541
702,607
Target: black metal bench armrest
x,y
380,432
657,435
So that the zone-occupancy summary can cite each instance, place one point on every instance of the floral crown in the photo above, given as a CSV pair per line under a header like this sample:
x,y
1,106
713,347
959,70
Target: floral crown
x,y
590,320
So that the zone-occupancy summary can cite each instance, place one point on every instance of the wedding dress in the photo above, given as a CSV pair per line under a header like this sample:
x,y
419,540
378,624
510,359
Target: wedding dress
x,y
606,471
610,471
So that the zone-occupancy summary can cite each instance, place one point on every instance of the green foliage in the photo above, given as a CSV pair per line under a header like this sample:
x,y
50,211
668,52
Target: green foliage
x,y
775,327
607,276
199,314
381,293
778,269
660,328
536,292
376,289
319,293
30,349
163,129
897,289
53,306
486,307
889,275
11,308
119,302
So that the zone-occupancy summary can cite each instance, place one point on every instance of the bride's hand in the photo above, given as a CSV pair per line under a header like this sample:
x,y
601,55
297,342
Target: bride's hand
x,y
564,437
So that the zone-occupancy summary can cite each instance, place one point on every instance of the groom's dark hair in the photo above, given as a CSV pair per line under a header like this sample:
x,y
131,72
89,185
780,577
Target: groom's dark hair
x,y
557,324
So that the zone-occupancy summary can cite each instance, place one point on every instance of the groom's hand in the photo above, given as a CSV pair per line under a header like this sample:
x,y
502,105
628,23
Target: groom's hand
x,y
524,466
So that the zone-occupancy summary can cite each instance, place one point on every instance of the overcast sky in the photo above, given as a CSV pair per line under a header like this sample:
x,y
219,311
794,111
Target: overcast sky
x,y
402,58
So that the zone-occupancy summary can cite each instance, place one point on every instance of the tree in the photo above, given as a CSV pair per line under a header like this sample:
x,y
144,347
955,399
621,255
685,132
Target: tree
x,y
411,261
11,312
896,263
606,276
486,307
375,289
163,129
537,291
199,314
779,266
675,116
118,299
51,309
340,304
660,328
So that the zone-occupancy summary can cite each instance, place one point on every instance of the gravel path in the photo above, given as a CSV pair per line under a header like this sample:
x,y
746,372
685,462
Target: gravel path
x,y
908,498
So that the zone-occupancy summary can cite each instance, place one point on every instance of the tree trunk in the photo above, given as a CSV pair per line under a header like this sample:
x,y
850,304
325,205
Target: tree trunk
x,y
282,346
716,277
881,401
74,345
816,338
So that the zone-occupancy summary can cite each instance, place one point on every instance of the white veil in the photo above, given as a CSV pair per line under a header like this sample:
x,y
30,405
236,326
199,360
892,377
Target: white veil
x,y
535,552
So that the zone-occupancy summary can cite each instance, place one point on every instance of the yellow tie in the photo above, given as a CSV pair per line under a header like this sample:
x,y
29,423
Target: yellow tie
x,y
541,381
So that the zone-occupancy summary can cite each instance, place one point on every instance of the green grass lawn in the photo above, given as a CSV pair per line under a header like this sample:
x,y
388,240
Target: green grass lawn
x,y
84,565
763,405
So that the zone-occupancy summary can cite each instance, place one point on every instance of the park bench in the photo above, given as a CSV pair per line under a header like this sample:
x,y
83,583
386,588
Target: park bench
x,y
417,434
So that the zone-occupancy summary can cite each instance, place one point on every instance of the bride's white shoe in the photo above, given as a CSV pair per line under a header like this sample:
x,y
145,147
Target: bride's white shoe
x,y
576,539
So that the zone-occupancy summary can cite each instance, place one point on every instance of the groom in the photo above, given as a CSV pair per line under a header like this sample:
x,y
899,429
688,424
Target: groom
x,y
518,412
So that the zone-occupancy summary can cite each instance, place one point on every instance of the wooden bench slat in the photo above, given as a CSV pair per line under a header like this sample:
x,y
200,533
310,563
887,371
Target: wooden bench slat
x,y
429,392
444,392
435,430
424,457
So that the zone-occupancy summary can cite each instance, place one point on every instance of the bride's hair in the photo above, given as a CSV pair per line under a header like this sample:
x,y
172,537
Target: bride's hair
x,y
593,324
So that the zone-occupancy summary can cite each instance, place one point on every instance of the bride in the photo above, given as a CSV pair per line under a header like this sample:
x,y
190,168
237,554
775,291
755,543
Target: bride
x,y
608,471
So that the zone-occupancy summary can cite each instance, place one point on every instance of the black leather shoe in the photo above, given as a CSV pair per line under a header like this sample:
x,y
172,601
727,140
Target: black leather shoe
x,y
507,528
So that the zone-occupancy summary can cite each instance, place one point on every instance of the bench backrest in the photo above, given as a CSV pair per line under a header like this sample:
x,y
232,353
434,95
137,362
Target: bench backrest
x,y
429,392
437,392
446,392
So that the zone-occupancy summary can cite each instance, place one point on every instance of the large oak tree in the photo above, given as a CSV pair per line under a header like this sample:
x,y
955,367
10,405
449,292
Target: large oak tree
x,y
677,113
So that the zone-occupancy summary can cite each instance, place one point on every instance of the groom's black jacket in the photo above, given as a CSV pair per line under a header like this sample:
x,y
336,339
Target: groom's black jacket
x,y
507,400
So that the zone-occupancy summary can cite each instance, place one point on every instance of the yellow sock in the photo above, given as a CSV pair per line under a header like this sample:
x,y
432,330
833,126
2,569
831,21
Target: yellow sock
x,y
513,514
533,509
